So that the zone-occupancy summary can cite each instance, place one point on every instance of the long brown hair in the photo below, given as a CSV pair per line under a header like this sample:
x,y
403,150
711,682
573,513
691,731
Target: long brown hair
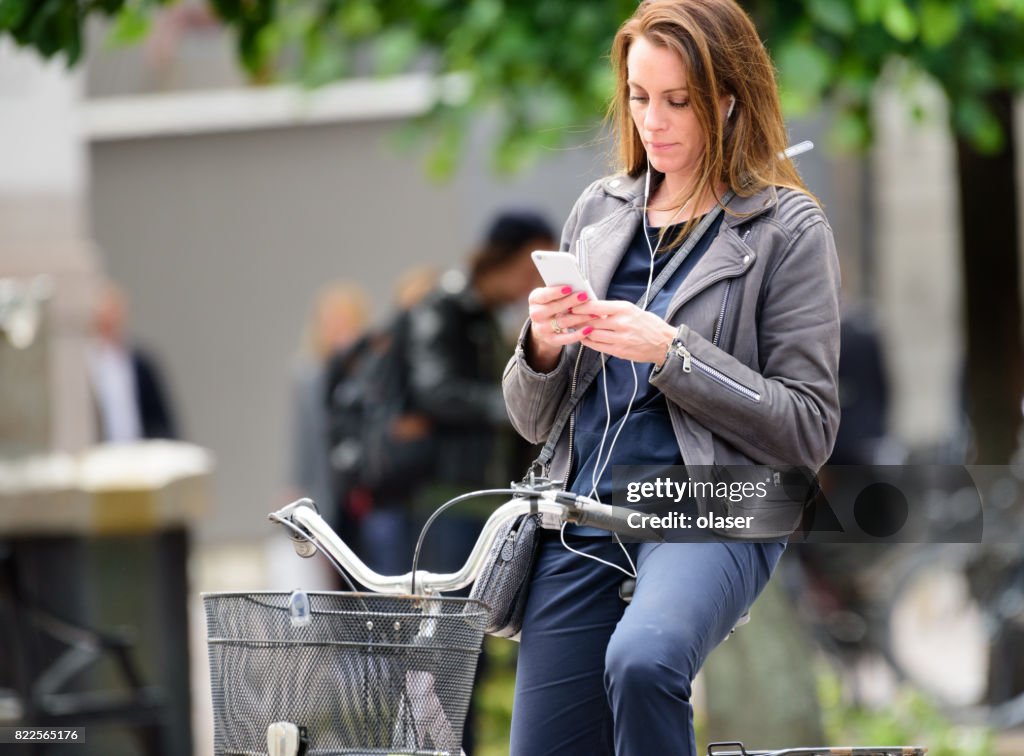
x,y
723,55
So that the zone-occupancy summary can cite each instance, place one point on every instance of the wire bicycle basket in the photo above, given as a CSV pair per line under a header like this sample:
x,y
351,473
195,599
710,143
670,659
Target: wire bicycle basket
x,y
360,673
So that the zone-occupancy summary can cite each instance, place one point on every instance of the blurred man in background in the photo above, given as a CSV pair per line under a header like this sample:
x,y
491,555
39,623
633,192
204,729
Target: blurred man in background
x,y
456,355
129,391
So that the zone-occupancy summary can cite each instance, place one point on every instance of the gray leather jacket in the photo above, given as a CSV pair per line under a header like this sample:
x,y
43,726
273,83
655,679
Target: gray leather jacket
x,y
752,373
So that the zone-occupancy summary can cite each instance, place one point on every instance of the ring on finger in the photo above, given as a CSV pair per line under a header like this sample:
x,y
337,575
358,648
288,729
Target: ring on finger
x,y
555,327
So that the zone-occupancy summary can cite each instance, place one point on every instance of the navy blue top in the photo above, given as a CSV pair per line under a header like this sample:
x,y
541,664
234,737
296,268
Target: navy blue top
x,y
647,438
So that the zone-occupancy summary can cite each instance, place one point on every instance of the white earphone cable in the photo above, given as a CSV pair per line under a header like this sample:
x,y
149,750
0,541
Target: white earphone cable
x,y
599,466
632,572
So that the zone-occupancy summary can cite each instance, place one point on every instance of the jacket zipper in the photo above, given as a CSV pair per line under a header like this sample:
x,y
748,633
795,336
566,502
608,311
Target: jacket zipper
x,y
581,258
689,361
572,417
721,313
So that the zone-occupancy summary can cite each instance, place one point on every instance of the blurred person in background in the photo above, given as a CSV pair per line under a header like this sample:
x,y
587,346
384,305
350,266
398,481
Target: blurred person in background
x,y
131,400
337,319
386,525
863,437
456,354
413,286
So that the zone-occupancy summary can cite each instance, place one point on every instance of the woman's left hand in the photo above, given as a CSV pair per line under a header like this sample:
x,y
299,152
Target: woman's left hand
x,y
623,330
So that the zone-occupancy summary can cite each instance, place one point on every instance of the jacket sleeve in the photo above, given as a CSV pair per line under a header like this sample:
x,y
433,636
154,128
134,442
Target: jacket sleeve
x,y
155,407
787,413
533,398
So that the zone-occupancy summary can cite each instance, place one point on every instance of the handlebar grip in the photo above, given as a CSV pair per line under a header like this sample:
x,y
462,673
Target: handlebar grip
x,y
616,520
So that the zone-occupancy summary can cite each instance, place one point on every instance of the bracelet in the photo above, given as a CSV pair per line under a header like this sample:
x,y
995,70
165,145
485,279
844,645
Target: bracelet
x,y
668,354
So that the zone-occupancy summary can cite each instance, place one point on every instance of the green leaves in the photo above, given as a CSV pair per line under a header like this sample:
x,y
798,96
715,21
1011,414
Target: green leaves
x,y
395,50
940,22
540,66
976,121
869,11
50,26
452,126
130,26
12,13
835,16
359,18
899,21
969,49
805,70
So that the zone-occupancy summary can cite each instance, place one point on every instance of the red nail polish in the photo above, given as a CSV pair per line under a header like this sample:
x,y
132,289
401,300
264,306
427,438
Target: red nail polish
x,y
567,290
582,296
593,317
588,330
570,311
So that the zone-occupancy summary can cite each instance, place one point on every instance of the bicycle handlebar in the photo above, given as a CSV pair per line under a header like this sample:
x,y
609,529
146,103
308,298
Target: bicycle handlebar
x,y
308,527
607,518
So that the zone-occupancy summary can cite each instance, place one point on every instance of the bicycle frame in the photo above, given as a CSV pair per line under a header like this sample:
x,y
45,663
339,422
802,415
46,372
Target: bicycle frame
x,y
311,533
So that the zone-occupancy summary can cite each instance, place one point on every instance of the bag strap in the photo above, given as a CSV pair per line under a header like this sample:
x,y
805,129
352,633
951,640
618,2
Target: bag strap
x,y
678,257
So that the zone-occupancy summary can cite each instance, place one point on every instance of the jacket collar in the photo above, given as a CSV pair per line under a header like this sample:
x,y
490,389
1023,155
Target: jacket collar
x,y
614,231
740,210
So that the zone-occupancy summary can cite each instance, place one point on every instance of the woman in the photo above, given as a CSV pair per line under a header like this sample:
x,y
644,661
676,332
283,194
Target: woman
x,y
735,359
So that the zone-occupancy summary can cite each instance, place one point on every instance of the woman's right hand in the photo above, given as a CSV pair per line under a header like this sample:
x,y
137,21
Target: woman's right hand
x,y
553,324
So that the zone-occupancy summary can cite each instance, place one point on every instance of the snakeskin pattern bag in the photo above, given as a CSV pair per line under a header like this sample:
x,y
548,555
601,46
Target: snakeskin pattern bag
x,y
504,581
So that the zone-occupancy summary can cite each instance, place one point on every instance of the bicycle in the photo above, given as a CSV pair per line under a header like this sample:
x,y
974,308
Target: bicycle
x,y
906,605
385,671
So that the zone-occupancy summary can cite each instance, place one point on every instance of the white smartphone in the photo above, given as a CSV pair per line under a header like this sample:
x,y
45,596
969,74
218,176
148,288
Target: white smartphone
x,y
560,269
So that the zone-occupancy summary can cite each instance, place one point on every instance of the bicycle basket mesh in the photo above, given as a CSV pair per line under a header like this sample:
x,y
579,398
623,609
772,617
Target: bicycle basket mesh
x,y
369,674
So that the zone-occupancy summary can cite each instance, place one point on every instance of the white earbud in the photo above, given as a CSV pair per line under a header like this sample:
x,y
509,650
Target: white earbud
x,y
647,184
732,104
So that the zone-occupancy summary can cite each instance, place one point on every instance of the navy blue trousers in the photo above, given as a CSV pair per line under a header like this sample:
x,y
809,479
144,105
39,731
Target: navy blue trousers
x,y
597,676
